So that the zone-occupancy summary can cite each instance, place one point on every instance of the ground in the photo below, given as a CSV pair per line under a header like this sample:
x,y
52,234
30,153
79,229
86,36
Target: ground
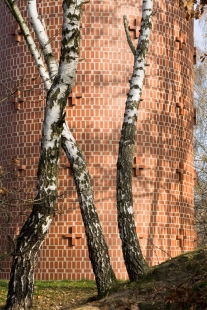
x,y
180,283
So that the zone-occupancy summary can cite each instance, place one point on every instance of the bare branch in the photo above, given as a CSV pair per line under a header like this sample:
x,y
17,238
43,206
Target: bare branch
x,y
30,42
126,27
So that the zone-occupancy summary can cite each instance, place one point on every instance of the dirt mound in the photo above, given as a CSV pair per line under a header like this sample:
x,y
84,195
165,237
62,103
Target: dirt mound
x,y
180,283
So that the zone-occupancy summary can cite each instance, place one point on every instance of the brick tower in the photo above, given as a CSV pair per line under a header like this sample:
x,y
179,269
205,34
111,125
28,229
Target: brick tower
x,y
163,173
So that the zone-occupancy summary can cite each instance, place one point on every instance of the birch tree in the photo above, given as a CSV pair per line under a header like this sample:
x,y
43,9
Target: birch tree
x,y
58,84
134,261
58,81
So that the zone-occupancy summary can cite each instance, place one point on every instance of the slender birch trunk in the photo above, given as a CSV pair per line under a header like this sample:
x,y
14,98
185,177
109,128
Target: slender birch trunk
x,y
34,230
43,40
97,247
134,260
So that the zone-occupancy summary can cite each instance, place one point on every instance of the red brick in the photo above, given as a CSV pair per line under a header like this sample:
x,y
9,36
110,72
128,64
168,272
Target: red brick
x,y
163,204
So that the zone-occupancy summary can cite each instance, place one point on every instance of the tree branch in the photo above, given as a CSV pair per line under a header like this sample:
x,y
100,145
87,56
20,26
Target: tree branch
x,y
43,39
126,27
12,6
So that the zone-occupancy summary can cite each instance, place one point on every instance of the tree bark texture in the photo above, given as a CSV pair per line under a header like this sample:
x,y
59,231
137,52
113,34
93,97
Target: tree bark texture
x,y
34,230
97,247
43,40
134,260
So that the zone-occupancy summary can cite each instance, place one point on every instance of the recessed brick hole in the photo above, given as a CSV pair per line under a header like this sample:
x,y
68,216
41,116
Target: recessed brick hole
x,y
181,239
194,116
21,167
137,167
181,42
72,236
135,28
195,177
180,105
17,100
17,33
180,176
73,99
194,56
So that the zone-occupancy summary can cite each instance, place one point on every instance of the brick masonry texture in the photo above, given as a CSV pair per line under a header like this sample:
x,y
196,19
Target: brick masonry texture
x,y
163,173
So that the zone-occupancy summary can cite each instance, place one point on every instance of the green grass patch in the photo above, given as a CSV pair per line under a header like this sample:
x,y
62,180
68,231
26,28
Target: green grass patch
x,y
55,294
3,293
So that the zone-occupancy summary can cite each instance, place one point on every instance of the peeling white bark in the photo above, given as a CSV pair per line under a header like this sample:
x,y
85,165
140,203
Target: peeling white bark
x,y
130,210
46,226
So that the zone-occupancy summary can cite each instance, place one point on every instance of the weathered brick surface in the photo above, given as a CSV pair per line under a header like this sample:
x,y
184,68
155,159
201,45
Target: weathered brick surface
x,y
163,165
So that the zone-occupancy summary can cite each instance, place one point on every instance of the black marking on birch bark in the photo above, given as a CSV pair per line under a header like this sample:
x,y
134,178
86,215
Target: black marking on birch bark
x,y
129,96
53,97
49,56
135,87
73,16
138,68
74,45
57,127
47,166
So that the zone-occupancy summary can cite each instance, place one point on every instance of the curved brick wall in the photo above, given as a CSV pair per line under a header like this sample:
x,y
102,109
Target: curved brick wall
x,y
163,165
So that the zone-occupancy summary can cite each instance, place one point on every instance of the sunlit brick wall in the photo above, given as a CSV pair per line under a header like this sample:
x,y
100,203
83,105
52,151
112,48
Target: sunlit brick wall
x,y
163,173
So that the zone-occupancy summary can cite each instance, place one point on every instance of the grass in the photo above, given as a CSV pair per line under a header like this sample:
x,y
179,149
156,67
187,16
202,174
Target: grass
x,y
179,283
56,294
3,292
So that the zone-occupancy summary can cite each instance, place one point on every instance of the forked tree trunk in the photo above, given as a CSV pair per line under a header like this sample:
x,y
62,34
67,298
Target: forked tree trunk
x,y
35,228
97,247
134,260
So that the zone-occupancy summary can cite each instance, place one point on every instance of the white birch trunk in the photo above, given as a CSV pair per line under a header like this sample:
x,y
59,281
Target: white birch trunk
x,y
12,6
43,39
97,247
35,228
134,261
